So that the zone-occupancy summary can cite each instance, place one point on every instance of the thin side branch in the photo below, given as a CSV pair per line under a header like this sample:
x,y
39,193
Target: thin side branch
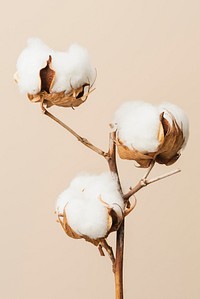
x,y
163,176
101,250
144,182
84,141
109,250
149,170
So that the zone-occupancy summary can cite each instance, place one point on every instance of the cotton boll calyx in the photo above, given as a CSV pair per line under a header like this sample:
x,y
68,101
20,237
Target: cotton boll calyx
x,y
91,207
147,133
55,78
170,109
176,133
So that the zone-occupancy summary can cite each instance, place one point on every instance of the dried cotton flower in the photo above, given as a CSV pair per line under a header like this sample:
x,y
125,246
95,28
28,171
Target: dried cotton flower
x,y
91,207
147,133
52,77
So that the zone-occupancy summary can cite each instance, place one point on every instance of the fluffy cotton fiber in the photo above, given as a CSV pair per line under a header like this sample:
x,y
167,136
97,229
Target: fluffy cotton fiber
x,y
72,67
32,59
82,201
138,125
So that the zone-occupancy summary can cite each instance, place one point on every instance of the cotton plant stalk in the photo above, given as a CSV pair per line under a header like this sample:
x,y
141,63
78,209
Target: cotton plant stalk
x,y
95,205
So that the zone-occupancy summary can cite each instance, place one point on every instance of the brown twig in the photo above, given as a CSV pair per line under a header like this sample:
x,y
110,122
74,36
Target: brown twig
x,y
120,232
163,176
84,141
101,250
111,158
109,250
119,262
149,170
144,182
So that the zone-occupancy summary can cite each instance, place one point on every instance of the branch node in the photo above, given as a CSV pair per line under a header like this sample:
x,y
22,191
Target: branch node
x,y
143,183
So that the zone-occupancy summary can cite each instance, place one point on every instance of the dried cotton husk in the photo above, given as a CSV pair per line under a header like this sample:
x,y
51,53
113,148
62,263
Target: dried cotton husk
x,y
170,141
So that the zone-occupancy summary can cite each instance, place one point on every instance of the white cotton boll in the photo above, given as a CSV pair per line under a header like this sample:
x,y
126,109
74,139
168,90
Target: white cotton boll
x,y
179,115
138,125
62,200
83,201
32,59
79,69
87,217
60,62
73,69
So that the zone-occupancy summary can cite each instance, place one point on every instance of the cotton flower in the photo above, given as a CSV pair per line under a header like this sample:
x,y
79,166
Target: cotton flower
x,y
91,207
53,77
147,133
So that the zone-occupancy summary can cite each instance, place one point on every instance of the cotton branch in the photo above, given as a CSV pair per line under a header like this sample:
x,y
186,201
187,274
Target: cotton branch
x,y
117,261
144,182
109,250
84,141
118,266
111,157
149,170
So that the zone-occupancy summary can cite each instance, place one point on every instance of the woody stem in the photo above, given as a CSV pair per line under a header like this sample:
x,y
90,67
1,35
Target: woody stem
x,y
144,182
120,232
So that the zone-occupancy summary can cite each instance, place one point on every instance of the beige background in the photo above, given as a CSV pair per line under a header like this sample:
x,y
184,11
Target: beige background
x,y
147,50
